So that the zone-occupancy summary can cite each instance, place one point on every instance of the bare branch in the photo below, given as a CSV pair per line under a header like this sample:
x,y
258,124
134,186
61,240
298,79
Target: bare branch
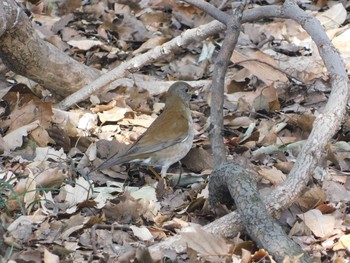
x,y
211,10
218,85
325,124
260,225
136,63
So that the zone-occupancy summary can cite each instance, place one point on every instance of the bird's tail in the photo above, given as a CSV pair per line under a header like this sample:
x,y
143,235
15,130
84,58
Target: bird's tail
x,y
113,160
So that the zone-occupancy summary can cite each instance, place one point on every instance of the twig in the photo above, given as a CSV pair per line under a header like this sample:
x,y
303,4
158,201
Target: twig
x,y
136,63
211,10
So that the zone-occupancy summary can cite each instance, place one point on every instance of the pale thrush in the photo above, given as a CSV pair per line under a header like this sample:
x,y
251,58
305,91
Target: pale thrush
x,y
168,139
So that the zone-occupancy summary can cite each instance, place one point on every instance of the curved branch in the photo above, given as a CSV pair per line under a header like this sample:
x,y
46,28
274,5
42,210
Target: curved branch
x,y
325,124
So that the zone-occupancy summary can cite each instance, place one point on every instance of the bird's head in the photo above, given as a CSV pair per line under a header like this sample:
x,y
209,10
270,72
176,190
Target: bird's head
x,y
182,90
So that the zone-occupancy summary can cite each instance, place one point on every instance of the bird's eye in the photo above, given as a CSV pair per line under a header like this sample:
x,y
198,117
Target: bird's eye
x,y
187,90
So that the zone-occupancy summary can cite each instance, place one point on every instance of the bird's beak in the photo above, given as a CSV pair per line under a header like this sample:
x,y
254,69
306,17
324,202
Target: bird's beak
x,y
195,91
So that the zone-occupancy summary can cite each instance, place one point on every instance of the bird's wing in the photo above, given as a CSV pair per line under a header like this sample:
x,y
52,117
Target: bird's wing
x,y
168,129
171,127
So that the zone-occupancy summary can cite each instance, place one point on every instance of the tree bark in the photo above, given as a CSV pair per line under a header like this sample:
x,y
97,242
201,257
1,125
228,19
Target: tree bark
x,y
22,51
259,224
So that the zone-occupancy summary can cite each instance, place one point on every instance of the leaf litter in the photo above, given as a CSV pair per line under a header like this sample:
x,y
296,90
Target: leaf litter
x,y
274,91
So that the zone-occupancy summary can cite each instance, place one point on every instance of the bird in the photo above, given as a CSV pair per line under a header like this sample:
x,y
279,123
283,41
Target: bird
x,y
168,139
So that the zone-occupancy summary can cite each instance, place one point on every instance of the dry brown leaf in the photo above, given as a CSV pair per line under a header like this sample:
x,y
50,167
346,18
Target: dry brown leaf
x,y
49,153
41,137
115,114
198,160
4,148
50,177
142,120
142,233
186,68
75,195
30,194
333,17
343,243
84,44
104,107
74,223
22,115
237,122
311,198
321,225
336,192
285,167
267,132
274,175
248,98
299,229
283,140
14,139
32,219
50,258
260,64
304,121
246,256
326,208
150,43
139,100
205,243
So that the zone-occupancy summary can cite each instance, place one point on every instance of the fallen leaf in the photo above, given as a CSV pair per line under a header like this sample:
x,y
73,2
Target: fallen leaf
x,y
311,198
205,243
343,243
142,233
14,139
321,225
274,175
115,114
260,64
334,17
50,258
84,44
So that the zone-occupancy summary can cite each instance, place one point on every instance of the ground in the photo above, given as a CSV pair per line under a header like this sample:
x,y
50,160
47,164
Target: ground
x,y
53,205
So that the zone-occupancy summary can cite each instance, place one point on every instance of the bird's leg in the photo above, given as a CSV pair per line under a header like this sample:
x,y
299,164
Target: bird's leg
x,y
178,180
164,170
150,168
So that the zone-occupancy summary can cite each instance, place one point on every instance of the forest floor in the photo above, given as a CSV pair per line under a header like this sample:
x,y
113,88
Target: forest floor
x,y
54,208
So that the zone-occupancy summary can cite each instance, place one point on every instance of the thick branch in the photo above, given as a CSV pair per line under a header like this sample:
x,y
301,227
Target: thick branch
x,y
22,51
260,226
240,185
